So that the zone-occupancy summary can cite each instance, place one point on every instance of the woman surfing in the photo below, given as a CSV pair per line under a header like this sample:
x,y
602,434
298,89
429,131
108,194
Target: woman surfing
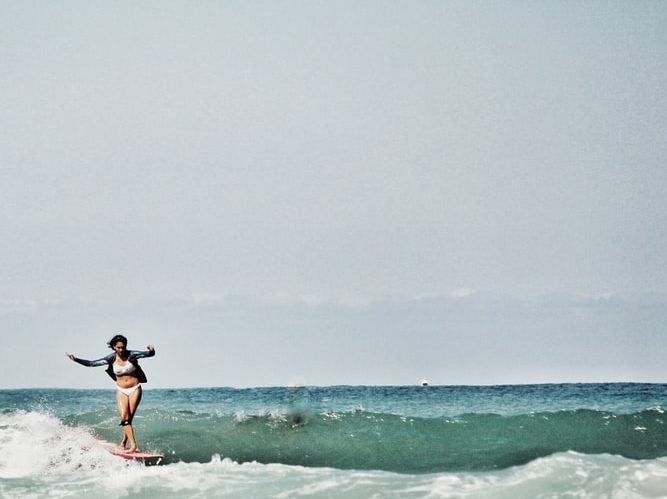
x,y
124,369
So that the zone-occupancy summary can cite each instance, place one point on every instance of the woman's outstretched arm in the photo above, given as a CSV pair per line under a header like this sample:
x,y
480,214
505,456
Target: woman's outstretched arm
x,y
138,354
91,363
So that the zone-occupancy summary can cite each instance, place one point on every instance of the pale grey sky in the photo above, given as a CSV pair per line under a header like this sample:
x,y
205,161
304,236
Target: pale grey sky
x,y
335,192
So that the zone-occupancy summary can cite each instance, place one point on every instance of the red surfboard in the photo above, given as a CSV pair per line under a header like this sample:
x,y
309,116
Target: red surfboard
x,y
148,458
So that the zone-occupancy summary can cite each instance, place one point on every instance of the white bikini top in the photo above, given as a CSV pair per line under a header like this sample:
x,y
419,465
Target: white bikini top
x,y
128,368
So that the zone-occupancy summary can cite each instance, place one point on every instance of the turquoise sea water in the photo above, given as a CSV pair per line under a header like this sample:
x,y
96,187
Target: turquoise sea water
x,y
571,440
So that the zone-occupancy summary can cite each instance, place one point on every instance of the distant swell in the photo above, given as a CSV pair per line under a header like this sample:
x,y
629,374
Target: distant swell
x,y
365,440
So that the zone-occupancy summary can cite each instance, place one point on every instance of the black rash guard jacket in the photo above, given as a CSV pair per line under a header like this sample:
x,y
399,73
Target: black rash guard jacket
x,y
109,360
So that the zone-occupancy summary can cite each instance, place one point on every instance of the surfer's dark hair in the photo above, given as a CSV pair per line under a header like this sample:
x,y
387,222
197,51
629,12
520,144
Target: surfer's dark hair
x,y
116,339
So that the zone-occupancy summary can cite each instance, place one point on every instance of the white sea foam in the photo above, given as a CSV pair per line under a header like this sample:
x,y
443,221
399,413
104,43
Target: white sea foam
x,y
566,474
33,443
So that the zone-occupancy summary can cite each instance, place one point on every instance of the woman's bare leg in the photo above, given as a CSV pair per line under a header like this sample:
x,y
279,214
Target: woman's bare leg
x,y
123,404
127,407
133,404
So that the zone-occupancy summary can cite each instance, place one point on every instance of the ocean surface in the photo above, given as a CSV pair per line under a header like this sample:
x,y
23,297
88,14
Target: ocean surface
x,y
523,441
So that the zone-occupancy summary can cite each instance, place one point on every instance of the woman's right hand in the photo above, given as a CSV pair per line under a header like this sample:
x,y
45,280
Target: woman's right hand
x,y
70,355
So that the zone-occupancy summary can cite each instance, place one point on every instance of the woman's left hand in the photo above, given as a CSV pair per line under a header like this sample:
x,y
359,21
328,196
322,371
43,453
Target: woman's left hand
x,y
150,348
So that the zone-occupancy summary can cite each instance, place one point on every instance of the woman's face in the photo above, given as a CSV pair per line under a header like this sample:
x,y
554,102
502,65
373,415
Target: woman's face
x,y
119,347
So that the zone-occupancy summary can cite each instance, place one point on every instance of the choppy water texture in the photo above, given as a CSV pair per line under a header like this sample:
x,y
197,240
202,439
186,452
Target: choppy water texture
x,y
586,440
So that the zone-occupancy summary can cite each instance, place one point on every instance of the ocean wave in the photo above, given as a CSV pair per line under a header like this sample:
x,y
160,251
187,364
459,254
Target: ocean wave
x,y
41,456
366,440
